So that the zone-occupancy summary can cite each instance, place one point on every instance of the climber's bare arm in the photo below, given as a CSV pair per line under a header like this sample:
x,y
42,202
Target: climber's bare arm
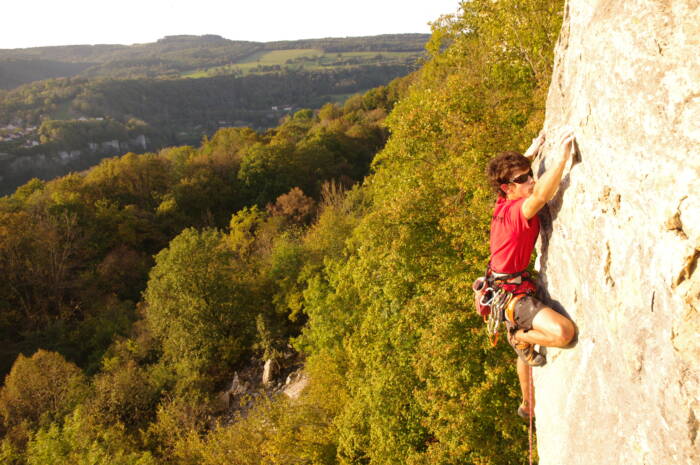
x,y
547,185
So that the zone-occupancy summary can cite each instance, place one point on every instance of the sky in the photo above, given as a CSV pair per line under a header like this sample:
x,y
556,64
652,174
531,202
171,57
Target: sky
x,y
68,22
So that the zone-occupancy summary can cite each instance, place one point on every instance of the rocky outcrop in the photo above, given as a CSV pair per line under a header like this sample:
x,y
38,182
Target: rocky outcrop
x,y
262,379
621,241
295,384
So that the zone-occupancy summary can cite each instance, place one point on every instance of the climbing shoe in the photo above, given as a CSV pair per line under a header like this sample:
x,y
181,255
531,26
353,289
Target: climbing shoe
x,y
526,351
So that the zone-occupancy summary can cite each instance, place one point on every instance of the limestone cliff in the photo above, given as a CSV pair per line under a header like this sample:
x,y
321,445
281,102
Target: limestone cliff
x,y
621,241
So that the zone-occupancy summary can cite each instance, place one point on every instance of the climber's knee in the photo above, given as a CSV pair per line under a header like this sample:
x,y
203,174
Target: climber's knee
x,y
557,329
564,332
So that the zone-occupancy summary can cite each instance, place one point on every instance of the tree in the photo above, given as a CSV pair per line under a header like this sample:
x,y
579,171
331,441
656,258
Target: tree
x,y
199,306
267,172
392,310
82,441
294,206
40,389
124,394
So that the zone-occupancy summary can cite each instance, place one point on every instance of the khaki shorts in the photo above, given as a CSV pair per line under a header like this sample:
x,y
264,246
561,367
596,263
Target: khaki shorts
x,y
525,310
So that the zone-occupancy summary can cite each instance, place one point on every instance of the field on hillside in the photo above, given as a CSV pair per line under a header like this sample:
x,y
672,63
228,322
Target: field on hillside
x,y
306,59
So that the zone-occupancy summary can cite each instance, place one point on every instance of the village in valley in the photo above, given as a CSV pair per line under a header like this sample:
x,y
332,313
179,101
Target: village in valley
x,y
19,135
26,136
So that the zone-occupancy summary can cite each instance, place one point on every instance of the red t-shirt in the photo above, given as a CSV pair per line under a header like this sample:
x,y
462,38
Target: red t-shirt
x,y
512,236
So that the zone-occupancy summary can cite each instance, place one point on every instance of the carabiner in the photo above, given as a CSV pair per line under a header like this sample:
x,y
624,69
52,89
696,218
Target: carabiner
x,y
483,301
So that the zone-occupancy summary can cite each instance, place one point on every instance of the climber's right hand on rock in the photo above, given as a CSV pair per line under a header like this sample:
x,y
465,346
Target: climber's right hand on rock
x,y
566,142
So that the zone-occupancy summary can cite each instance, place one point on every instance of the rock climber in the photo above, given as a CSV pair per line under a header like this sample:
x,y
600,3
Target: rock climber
x,y
514,229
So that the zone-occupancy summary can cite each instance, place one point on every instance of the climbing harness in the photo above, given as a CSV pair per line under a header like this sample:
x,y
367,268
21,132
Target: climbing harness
x,y
495,296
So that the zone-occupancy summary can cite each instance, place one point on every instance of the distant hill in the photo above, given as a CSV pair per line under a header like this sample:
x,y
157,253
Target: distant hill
x,y
187,56
17,71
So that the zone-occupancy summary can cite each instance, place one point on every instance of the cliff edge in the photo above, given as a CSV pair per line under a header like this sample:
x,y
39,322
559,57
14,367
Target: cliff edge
x,y
620,243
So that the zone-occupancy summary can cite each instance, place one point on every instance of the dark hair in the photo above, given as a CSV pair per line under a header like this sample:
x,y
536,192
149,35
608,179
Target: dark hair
x,y
502,167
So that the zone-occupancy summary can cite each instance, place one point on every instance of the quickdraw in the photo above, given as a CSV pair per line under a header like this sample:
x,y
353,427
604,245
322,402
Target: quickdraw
x,y
491,302
501,299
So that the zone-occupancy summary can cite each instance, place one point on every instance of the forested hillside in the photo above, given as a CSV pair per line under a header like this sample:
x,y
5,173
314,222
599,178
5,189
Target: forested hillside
x,y
149,280
173,105
173,92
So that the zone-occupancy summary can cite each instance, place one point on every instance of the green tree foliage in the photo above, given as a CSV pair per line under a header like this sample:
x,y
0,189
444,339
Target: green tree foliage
x,y
143,102
198,304
76,251
130,180
371,282
40,252
124,393
270,167
178,417
170,106
39,390
422,386
16,72
171,55
276,432
80,440
230,143
74,134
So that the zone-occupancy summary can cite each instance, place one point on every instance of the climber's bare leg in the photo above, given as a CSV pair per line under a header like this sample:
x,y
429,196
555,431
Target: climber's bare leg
x,y
524,377
549,329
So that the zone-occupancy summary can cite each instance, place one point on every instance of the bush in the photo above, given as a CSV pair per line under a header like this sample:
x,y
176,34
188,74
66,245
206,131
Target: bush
x,y
274,432
177,417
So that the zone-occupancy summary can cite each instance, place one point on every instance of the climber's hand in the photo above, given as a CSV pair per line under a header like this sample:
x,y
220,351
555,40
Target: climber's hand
x,y
566,142
536,146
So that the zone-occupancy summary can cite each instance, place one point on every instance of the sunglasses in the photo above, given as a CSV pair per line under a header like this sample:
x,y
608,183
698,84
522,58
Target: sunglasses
x,y
522,178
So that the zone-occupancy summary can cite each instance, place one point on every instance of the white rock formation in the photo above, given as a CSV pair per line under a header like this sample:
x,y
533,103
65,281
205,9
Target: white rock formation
x,y
620,248
269,372
295,385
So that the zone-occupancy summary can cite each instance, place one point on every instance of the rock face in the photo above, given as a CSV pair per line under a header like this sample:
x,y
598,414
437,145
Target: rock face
x,y
260,379
620,244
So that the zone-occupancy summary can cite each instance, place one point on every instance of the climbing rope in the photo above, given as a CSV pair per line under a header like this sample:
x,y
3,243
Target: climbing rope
x,y
531,411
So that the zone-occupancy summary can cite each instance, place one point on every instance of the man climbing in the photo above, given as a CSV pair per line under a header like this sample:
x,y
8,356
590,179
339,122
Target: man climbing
x,y
514,230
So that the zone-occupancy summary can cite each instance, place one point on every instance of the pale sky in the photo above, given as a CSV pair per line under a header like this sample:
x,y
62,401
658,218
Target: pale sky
x,y
34,23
